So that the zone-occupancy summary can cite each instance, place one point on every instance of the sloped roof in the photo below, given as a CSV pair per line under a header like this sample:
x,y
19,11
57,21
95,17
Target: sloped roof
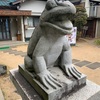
x,y
95,1
6,2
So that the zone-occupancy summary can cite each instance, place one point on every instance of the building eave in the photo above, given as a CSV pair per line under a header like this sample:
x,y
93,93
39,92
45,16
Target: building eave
x,y
14,13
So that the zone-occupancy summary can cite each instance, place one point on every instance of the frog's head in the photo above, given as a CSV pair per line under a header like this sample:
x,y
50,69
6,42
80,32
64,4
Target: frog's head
x,y
57,15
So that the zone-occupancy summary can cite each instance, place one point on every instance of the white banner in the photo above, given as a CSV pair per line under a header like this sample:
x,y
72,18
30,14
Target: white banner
x,y
72,37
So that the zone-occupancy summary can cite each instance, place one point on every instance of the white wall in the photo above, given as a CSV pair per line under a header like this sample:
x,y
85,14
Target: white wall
x,y
35,6
87,6
29,32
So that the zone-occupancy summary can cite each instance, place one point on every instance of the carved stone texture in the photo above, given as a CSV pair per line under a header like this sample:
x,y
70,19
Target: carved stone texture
x,y
49,47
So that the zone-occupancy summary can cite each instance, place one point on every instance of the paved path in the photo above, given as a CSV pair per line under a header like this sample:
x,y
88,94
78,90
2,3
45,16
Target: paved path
x,y
15,52
86,57
79,63
4,44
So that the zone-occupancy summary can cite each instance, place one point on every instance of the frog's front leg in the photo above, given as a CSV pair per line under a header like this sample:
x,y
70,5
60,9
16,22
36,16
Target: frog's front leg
x,y
66,62
42,74
40,67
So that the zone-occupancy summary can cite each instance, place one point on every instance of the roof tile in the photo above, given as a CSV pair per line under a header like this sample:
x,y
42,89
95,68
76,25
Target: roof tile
x,y
6,2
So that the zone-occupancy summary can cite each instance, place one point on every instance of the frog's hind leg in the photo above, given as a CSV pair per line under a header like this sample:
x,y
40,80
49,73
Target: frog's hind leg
x,y
28,63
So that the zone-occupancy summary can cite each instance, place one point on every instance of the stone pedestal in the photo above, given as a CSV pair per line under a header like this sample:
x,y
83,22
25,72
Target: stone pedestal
x,y
69,86
27,92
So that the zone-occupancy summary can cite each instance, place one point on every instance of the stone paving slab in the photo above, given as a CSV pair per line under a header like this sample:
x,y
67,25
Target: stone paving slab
x,y
23,54
7,50
18,53
75,61
1,95
82,63
10,51
95,96
94,65
15,52
87,92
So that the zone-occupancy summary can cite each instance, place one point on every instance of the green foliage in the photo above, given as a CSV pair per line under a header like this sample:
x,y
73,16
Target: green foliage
x,y
80,18
97,42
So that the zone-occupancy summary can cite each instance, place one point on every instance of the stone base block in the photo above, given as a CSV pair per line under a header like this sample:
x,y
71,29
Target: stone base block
x,y
68,85
28,92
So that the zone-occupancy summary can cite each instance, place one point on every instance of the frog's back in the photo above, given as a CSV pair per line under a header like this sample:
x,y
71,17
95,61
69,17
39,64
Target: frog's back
x,y
34,40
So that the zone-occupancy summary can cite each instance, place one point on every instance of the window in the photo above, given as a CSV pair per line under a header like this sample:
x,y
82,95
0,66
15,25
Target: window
x,y
5,28
33,21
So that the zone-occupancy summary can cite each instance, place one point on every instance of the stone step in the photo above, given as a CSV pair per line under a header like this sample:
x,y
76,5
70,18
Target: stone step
x,y
68,85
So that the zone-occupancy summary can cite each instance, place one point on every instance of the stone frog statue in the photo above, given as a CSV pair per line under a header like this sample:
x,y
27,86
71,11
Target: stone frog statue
x,y
49,44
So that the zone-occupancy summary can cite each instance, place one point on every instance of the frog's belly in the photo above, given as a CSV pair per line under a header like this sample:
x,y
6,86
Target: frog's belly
x,y
52,55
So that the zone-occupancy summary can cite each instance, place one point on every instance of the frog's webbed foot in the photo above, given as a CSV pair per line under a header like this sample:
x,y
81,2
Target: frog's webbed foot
x,y
71,71
48,80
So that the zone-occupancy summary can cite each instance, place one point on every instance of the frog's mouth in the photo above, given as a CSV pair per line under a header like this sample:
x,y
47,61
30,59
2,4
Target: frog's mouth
x,y
66,26
63,25
57,15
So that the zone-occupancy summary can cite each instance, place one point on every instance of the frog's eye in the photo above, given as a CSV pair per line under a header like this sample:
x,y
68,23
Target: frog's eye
x,y
61,1
50,4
